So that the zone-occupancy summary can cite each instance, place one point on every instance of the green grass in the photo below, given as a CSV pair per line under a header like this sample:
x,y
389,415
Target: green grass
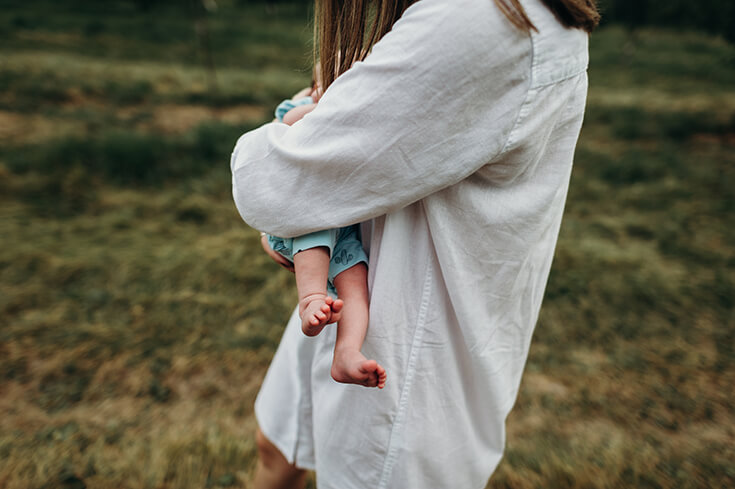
x,y
165,33
139,314
126,157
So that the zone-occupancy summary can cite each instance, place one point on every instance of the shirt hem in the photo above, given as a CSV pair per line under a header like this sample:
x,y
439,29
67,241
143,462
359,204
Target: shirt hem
x,y
288,450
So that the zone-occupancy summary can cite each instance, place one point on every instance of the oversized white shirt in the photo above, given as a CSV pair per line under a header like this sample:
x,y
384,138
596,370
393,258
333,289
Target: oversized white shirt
x,y
452,143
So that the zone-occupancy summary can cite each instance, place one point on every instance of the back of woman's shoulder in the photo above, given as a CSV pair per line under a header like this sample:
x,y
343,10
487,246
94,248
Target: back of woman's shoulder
x,y
559,52
461,25
466,13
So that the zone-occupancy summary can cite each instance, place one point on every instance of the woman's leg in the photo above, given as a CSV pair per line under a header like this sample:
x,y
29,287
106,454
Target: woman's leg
x,y
273,470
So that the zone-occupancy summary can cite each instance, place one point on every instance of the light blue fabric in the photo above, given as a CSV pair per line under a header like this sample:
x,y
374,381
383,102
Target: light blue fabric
x,y
289,104
345,249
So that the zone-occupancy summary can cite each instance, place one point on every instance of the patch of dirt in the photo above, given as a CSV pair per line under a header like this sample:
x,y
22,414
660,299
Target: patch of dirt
x,y
537,383
20,128
662,101
715,139
30,128
174,119
53,38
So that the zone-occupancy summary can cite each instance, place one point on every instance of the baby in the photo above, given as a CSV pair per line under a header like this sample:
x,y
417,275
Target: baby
x,y
331,261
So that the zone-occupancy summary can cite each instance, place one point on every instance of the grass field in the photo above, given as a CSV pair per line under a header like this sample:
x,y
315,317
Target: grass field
x,y
138,315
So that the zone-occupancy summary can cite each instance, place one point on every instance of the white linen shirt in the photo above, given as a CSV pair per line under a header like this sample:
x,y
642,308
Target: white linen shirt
x,y
452,143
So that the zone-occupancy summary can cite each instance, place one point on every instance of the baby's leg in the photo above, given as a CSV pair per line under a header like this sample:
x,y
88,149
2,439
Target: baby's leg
x,y
350,366
316,308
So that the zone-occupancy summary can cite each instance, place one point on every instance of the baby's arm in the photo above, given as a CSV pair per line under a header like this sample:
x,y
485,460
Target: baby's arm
x,y
295,114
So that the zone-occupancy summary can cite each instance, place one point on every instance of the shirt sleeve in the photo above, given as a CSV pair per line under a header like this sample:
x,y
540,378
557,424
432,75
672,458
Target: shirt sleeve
x,y
433,102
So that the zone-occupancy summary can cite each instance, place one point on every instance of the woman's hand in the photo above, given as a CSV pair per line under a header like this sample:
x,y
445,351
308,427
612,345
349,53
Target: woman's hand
x,y
276,257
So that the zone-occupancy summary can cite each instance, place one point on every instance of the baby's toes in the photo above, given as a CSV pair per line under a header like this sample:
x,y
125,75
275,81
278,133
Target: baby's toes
x,y
336,313
311,325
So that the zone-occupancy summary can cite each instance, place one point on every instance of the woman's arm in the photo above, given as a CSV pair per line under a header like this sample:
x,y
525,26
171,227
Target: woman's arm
x,y
435,101
278,258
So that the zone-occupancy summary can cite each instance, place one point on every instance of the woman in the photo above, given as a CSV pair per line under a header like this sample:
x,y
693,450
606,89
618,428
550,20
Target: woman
x,y
452,142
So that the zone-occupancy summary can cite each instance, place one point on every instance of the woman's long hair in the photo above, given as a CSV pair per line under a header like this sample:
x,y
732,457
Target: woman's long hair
x,y
345,30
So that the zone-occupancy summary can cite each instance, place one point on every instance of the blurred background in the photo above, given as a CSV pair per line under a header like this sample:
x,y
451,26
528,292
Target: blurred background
x,y
138,313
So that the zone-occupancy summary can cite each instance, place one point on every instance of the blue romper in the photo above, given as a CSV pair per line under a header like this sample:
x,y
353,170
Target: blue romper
x,y
345,248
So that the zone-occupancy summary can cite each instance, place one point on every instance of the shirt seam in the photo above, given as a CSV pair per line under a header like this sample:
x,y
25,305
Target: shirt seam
x,y
391,454
564,78
521,114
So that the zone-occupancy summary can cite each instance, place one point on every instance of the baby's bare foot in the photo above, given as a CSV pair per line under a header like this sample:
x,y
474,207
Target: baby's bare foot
x,y
318,310
351,367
